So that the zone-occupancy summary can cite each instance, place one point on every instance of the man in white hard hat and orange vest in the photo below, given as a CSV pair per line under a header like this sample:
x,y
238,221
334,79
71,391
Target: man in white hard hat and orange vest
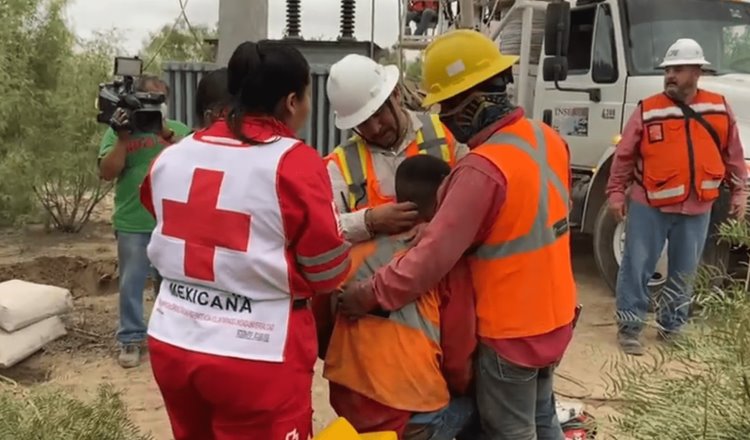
x,y
365,98
676,150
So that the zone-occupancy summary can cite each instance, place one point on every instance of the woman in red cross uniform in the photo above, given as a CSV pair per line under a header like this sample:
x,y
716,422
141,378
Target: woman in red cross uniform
x,y
246,233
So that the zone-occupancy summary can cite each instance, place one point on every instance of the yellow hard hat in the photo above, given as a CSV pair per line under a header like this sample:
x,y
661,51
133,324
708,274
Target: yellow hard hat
x,y
341,429
459,60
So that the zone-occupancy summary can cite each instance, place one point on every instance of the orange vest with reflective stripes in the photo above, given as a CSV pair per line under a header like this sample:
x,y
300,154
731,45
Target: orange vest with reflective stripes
x,y
678,154
393,360
522,272
354,160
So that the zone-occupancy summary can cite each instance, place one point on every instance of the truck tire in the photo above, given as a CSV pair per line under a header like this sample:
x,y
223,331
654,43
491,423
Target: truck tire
x,y
716,253
608,251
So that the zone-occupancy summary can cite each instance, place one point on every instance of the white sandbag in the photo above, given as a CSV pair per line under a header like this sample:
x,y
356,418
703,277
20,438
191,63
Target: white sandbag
x,y
17,346
23,303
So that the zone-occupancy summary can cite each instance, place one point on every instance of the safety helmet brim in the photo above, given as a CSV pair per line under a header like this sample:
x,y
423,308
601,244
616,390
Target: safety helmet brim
x,y
672,63
350,121
499,65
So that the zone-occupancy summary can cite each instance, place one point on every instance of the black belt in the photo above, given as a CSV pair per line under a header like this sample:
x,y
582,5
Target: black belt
x,y
299,304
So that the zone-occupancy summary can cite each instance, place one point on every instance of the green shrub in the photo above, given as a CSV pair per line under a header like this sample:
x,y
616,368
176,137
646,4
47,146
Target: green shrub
x,y
699,388
48,134
53,414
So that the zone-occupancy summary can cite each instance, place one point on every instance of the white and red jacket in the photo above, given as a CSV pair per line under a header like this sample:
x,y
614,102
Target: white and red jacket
x,y
241,232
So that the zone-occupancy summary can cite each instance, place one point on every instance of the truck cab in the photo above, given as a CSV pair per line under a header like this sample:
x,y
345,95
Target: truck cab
x,y
600,58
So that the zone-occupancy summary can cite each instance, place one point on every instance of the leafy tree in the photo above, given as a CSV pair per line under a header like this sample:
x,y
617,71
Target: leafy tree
x,y
414,70
178,42
737,47
48,133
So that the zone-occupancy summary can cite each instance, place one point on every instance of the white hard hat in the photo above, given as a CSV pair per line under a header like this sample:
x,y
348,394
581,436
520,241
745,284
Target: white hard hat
x,y
357,87
684,52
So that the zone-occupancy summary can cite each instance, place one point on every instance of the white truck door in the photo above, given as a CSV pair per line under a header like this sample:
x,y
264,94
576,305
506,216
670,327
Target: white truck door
x,y
595,61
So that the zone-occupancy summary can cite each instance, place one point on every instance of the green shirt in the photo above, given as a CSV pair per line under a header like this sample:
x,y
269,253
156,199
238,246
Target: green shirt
x,y
129,215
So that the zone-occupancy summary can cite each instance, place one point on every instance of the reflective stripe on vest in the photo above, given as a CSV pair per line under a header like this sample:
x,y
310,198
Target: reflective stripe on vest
x,y
354,156
431,138
394,360
667,193
676,112
540,235
354,169
386,249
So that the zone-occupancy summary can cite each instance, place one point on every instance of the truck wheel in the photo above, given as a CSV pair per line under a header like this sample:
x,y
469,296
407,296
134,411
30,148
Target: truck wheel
x,y
716,253
609,242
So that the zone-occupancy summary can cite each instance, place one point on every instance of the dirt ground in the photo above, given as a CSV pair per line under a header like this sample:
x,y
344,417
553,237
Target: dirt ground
x,y
79,362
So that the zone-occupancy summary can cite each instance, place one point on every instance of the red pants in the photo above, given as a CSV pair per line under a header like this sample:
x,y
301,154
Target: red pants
x,y
219,398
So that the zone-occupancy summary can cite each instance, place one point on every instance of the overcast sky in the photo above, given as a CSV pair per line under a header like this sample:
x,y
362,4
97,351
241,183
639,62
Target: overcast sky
x,y
134,19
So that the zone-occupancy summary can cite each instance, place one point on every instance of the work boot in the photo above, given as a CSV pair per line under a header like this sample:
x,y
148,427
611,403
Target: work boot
x,y
130,355
630,344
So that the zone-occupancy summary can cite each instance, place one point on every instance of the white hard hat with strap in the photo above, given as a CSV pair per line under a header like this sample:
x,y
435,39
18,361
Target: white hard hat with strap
x,y
357,87
684,52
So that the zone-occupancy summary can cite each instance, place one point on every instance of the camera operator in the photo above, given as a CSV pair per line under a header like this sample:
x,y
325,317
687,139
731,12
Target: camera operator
x,y
126,156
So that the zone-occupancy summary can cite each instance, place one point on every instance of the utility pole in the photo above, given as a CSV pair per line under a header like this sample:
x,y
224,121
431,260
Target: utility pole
x,y
471,13
240,21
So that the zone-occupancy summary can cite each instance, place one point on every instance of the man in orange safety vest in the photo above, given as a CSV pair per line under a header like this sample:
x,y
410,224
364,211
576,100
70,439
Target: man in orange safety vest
x,y
408,370
676,150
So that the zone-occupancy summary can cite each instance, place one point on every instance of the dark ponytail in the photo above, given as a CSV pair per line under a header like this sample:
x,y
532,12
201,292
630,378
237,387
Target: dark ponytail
x,y
260,75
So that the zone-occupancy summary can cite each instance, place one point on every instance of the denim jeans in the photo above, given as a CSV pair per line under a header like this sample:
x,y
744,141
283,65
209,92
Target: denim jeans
x,y
457,420
646,230
134,268
424,20
514,402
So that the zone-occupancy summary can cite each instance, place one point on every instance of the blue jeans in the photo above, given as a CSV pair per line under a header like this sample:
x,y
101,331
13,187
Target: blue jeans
x,y
646,230
451,422
134,268
424,20
514,402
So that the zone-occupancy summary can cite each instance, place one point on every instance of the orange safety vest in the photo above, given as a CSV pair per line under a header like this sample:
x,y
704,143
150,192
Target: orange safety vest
x,y
395,360
522,272
678,154
354,159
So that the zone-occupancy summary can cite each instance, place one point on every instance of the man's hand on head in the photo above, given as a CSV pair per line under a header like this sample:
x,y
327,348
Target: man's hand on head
x,y
392,218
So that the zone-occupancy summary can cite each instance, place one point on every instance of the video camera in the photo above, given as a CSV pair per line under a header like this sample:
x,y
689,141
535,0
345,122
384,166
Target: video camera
x,y
144,110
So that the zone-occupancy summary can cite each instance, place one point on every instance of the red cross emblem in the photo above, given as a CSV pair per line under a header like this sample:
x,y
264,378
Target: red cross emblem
x,y
203,226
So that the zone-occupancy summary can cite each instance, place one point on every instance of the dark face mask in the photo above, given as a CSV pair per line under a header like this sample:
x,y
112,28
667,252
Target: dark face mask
x,y
480,109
